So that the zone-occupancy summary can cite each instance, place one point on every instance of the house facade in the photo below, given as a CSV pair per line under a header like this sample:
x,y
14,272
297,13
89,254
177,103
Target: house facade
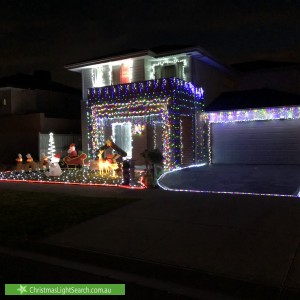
x,y
149,99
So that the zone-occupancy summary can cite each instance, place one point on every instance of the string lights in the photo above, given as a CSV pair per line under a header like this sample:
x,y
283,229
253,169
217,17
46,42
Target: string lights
x,y
171,61
163,186
51,147
138,129
69,176
150,102
102,73
263,114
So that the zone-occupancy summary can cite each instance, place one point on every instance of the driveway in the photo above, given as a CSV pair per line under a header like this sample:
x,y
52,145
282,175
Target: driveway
x,y
258,179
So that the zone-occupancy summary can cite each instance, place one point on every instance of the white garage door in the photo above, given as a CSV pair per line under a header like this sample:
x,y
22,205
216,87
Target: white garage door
x,y
257,142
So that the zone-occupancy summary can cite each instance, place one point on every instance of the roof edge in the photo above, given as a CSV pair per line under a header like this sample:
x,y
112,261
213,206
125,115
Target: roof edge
x,y
196,51
107,59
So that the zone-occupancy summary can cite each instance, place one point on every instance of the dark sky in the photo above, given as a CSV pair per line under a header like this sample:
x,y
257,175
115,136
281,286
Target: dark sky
x,y
41,34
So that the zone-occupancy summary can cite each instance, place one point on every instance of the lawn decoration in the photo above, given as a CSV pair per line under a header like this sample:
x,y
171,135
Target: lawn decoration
x,y
103,166
44,162
110,144
73,159
30,164
19,161
72,151
110,162
51,147
54,168
113,163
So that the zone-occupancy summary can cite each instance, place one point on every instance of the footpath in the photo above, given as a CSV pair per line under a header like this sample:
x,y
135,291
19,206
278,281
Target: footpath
x,y
187,245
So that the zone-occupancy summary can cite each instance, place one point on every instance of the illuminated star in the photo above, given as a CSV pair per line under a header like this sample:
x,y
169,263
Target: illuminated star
x,y
22,289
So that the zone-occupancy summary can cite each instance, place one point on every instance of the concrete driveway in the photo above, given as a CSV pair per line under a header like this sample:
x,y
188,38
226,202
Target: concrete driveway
x,y
258,179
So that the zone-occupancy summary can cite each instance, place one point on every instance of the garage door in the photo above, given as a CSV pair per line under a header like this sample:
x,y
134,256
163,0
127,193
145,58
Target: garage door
x,y
257,142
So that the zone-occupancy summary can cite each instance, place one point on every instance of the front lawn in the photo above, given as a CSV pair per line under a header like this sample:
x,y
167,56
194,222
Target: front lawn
x,y
34,215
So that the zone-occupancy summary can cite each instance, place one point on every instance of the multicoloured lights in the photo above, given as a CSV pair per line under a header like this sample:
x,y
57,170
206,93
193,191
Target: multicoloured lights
x,y
170,61
264,114
102,74
149,102
274,113
138,129
82,176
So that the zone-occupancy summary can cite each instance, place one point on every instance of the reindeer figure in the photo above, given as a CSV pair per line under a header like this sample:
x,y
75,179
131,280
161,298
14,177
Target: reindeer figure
x,y
30,164
104,166
19,161
44,163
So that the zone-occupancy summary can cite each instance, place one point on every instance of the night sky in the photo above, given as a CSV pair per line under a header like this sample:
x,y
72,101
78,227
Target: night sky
x,y
47,35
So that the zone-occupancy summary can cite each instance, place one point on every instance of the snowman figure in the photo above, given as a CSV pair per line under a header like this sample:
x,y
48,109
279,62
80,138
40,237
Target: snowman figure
x,y
54,168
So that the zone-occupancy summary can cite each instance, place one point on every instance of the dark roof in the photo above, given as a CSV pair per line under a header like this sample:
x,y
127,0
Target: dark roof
x,y
251,66
253,99
132,51
157,51
170,48
40,80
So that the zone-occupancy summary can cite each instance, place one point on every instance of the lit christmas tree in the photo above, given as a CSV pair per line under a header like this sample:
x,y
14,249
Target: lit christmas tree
x,y
51,148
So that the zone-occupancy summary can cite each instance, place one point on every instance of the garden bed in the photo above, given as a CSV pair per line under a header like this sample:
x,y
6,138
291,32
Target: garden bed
x,y
82,176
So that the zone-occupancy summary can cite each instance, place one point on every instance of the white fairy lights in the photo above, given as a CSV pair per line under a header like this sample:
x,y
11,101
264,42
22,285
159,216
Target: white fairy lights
x,y
51,147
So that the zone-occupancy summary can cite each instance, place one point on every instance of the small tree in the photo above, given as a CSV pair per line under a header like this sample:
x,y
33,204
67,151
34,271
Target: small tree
x,y
153,159
51,147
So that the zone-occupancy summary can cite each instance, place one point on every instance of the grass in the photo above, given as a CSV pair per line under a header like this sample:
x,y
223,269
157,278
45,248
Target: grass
x,y
34,215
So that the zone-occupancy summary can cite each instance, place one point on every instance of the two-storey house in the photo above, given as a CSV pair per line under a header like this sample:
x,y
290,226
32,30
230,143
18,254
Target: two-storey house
x,y
149,99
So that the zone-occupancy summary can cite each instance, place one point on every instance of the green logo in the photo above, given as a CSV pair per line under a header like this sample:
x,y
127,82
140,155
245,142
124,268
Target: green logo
x,y
22,289
65,289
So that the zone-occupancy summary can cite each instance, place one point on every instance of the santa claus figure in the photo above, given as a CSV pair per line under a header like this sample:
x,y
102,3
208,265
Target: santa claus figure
x,y
72,151
54,168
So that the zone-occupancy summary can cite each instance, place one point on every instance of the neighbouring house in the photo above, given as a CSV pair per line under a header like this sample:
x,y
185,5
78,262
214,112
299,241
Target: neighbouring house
x,y
149,99
260,126
31,106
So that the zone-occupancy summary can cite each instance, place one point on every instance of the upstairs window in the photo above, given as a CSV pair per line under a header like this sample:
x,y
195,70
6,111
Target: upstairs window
x,y
115,75
3,102
121,73
167,71
124,73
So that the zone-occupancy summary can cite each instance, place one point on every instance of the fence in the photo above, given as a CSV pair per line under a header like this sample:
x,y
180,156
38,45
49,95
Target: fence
x,y
61,142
